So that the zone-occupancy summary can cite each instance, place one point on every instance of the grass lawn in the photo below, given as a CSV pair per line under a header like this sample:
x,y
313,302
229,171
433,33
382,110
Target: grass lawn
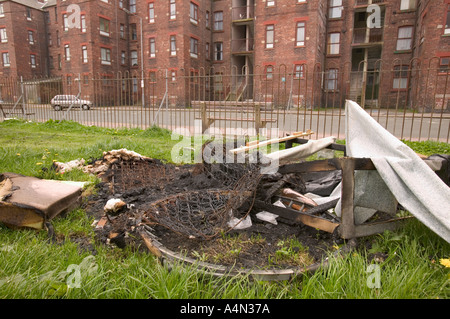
x,y
32,267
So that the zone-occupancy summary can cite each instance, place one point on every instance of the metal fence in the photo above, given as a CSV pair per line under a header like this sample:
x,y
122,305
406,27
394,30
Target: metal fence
x,y
410,100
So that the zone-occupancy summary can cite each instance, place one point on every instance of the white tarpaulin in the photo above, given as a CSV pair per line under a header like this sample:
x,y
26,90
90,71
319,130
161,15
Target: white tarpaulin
x,y
413,183
300,152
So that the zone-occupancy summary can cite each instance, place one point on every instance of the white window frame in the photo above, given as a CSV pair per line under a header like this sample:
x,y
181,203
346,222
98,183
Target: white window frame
x,y
151,12
172,10
3,35
5,59
67,52
335,9
84,54
152,47
105,56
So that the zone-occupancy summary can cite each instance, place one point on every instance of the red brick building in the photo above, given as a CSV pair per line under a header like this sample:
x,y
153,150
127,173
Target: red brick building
x,y
285,52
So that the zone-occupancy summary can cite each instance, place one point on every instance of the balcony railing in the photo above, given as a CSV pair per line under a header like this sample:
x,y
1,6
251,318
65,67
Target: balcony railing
x,y
242,13
243,46
367,35
367,2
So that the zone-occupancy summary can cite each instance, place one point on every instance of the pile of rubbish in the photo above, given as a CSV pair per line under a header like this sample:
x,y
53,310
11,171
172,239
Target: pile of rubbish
x,y
139,194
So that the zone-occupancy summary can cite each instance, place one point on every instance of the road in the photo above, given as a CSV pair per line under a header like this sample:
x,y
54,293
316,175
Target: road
x,y
410,126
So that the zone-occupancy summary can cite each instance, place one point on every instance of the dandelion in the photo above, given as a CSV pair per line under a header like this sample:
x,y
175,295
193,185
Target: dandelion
x,y
445,262
44,157
18,154
39,163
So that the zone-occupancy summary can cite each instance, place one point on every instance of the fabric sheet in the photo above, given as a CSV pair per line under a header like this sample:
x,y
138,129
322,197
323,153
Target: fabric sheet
x,y
412,182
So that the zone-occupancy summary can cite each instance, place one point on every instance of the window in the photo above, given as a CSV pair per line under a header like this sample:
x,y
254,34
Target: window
x,y
447,21
218,21
218,51
299,71
104,27
120,3
270,3
269,72
400,77
69,80
122,31
335,9
50,40
331,80
173,45
404,39
173,75
444,65
270,36
133,6
59,62
193,13
3,35
152,45
207,51
2,10
333,43
30,37
151,12
84,54
58,38
105,54
134,83
33,60
207,19
152,76
83,23
407,4
133,31
194,48
67,52
65,22
172,10
134,58
300,38
5,59
28,13
123,57
85,79
51,64
301,1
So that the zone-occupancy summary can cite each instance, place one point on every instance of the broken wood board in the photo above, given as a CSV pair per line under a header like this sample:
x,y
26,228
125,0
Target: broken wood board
x,y
27,201
257,144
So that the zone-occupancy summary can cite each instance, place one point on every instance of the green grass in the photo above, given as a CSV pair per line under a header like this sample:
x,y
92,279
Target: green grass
x,y
33,267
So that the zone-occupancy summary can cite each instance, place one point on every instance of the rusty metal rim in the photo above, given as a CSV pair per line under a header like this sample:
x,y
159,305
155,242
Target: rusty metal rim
x,y
169,257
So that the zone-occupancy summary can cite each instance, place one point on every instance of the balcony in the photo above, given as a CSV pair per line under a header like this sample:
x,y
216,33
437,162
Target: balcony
x,y
242,46
367,36
242,14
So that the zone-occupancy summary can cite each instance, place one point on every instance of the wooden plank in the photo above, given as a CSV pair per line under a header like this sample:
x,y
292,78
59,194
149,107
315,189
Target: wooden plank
x,y
299,217
347,199
268,142
326,165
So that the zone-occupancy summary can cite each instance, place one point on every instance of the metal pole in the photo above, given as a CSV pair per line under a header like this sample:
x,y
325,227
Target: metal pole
x,y
142,66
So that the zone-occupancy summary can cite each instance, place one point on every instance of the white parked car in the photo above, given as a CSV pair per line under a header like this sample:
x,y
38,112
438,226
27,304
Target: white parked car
x,y
60,102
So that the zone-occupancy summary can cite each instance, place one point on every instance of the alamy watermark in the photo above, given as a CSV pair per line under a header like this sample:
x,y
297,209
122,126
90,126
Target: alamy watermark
x,y
374,278
374,19
191,148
